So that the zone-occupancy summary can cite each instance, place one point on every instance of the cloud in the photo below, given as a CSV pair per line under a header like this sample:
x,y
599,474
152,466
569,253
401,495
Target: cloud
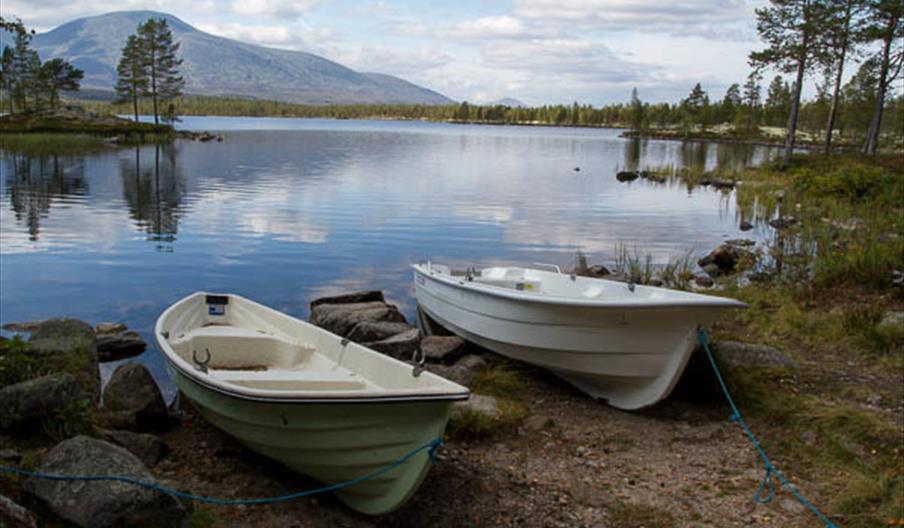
x,y
391,60
274,8
298,36
688,17
490,27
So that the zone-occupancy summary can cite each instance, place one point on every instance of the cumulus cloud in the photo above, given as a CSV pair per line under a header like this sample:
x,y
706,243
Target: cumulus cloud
x,y
391,60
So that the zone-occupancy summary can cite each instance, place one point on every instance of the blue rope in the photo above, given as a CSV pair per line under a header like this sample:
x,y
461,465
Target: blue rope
x,y
431,446
766,491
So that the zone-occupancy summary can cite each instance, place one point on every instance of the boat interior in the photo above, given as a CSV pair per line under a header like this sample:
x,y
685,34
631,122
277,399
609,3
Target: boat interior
x,y
253,348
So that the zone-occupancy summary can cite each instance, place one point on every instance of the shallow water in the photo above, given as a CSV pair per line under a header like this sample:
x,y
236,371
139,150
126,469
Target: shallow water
x,y
286,210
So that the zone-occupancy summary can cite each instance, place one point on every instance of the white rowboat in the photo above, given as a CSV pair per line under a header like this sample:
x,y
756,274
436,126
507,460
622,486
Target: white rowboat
x,y
317,403
618,342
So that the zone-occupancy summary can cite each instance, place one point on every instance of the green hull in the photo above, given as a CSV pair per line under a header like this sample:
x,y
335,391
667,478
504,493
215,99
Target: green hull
x,y
333,442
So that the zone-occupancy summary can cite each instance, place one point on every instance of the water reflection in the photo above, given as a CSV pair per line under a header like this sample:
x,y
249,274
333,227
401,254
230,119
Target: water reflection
x,y
34,183
153,192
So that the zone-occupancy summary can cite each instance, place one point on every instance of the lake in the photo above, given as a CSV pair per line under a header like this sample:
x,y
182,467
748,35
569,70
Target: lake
x,y
287,210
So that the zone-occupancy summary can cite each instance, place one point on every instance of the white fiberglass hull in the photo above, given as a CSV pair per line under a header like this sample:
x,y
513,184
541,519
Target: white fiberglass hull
x,y
626,347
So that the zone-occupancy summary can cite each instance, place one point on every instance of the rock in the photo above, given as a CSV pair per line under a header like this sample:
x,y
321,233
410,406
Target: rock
x,y
736,354
456,373
341,318
442,348
897,279
892,323
12,515
367,331
704,281
110,328
539,422
741,242
26,403
477,403
147,447
726,258
745,225
65,345
792,506
577,169
348,298
597,270
132,391
626,176
10,455
722,184
400,346
101,504
117,346
783,222
472,362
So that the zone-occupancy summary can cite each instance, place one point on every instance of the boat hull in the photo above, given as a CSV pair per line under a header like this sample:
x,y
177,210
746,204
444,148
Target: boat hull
x,y
632,357
332,442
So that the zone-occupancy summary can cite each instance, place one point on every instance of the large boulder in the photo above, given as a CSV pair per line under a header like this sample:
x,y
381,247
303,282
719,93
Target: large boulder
x,y
400,346
13,515
368,331
341,318
65,345
133,395
102,504
148,448
735,354
725,259
26,403
445,349
355,297
456,373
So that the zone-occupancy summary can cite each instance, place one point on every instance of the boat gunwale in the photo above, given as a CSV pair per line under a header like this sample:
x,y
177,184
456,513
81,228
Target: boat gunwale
x,y
243,393
705,301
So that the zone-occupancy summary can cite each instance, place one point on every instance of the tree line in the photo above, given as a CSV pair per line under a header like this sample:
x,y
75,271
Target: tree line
x,y
26,82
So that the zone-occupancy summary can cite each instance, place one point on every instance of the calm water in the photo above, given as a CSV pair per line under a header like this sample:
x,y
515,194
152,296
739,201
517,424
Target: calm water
x,y
286,210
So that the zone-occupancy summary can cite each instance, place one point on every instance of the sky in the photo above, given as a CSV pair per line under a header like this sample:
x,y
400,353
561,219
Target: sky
x,y
538,51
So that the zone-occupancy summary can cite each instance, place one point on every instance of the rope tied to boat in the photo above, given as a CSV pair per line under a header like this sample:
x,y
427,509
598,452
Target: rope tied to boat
x,y
431,448
766,490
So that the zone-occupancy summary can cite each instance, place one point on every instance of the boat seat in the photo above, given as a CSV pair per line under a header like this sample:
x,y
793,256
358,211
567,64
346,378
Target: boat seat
x,y
285,379
221,331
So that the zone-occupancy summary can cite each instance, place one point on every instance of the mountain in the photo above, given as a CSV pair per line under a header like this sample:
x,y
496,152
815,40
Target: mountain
x,y
220,66
506,101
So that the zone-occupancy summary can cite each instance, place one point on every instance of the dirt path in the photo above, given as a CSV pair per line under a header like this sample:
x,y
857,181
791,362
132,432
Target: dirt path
x,y
574,462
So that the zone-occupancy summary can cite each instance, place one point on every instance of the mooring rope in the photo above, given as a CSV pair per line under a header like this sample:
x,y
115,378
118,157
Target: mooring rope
x,y
430,446
771,471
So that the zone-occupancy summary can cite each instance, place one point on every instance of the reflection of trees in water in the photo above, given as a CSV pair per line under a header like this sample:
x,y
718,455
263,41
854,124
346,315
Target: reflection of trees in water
x,y
154,193
34,182
734,156
634,150
693,154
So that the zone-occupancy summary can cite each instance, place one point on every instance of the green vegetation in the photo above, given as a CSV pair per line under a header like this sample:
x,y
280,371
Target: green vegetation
x,y
503,384
16,364
148,67
28,83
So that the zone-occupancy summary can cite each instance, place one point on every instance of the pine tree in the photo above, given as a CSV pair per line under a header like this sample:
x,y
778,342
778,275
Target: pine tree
x,y
840,33
696,106
637,112
164,81
57,76
778,102
789,29
731,102
751,101
7,77
885,24
132,73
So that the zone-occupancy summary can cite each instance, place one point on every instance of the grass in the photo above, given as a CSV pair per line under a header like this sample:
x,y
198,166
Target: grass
x,y
503,384
830,287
